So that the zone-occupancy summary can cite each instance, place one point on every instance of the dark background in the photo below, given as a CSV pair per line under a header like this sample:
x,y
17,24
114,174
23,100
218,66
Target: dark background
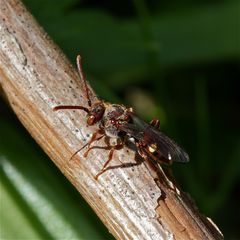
x,y
178,61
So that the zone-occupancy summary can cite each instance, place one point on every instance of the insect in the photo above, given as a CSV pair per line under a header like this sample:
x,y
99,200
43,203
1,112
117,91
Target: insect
x,y
119,122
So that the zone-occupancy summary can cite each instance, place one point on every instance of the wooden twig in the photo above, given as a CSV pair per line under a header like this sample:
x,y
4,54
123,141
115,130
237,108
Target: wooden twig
x,y
35,77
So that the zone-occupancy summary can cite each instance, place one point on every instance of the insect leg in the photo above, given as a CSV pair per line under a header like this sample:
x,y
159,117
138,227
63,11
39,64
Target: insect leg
x,y
90,148
118,146
93,138
141,149
141,152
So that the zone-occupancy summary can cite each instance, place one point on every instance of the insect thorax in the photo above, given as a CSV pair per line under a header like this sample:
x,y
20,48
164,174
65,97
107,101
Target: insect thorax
x,y
113,114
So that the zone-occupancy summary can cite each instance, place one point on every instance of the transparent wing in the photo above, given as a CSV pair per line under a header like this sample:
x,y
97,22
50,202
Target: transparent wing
x,y
165,146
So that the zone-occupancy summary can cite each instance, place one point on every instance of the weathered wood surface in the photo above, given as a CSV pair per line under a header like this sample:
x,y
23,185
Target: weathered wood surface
x,y
35,76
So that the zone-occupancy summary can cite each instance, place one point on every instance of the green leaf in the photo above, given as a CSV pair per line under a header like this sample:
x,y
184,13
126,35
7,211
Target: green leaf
x,y
9,210
38,198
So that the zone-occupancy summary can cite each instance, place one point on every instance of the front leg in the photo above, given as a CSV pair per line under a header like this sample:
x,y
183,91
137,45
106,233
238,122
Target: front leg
x,y
93,138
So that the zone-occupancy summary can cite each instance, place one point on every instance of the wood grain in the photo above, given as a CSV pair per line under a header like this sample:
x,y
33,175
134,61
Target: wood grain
x,y
35,76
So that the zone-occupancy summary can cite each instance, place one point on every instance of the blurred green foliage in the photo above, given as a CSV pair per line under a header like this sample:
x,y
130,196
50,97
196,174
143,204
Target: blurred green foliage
x,y
182,59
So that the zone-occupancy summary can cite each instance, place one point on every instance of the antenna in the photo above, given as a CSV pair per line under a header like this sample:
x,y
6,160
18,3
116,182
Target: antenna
x,y
81,75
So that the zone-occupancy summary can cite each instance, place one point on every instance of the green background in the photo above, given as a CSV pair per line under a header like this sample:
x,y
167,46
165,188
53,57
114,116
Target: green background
x,y
178,61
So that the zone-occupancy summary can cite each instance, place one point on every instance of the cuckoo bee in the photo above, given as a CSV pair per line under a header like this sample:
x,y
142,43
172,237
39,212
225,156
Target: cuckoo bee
x,y
119,122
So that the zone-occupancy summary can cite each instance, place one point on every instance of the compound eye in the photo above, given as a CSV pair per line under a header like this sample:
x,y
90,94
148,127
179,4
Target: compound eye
x,y
97,112
91,120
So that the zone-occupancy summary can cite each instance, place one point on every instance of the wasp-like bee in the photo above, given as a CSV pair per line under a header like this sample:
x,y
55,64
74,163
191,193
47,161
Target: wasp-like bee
x,y
119,122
